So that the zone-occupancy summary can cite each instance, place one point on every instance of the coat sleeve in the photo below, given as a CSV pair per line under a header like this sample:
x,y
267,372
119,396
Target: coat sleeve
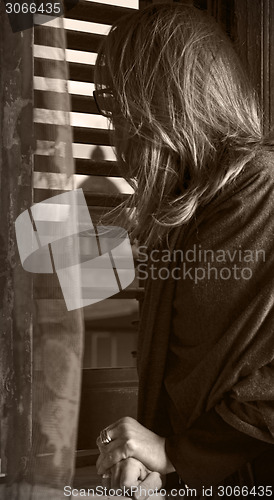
x,y
211,450
220,368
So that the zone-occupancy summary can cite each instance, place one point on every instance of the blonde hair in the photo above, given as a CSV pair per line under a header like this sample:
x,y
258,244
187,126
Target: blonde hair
x,y
186,120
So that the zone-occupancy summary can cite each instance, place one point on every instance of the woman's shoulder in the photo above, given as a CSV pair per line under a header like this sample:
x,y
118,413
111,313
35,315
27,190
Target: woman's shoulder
x,y
262,165
242,202
249,196
255,179
259,170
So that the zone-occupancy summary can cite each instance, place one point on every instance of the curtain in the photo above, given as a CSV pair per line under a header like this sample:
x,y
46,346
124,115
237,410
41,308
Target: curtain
x,y
41,340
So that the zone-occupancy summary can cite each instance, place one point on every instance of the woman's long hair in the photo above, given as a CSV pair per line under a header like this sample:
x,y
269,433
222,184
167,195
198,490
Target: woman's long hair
x,y
186,120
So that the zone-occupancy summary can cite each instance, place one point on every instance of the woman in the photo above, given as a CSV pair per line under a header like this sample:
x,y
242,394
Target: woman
x,y
189,139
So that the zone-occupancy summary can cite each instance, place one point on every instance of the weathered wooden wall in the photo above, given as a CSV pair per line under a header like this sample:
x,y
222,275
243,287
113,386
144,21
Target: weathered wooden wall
x,y
15,284
254,38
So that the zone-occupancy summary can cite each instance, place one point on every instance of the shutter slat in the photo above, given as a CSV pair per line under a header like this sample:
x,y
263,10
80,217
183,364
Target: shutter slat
x,y
44,35
81,72
78,72
96,213
44,66
93,199
46,164
83,166
51,100
105,200
96,12
81,134
57,100
88,42
92,136
83,104
90,167
76,40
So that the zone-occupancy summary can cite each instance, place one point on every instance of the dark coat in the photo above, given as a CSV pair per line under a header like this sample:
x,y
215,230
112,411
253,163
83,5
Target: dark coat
x,y
206,349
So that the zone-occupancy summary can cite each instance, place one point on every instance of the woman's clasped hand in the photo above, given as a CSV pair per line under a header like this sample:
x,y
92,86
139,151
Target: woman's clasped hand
x,y
133,455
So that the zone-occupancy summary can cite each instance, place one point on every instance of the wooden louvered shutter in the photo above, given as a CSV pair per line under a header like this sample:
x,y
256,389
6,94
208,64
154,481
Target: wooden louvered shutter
x,y
107,392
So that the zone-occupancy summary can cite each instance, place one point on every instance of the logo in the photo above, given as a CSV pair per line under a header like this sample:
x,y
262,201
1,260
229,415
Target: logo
x,y
58,236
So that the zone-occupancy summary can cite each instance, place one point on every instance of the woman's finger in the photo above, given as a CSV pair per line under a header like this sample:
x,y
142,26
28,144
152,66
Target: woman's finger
x,y
111,432
119,428
131,472
106,453
146,487
98,462
112,455
115,475
100,445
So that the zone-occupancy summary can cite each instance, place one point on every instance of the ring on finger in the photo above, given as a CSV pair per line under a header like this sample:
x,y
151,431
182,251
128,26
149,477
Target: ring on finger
x,y
105,437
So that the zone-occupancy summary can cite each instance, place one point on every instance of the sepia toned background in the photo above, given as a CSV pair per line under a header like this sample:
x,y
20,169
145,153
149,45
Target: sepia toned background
x,y
53,140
